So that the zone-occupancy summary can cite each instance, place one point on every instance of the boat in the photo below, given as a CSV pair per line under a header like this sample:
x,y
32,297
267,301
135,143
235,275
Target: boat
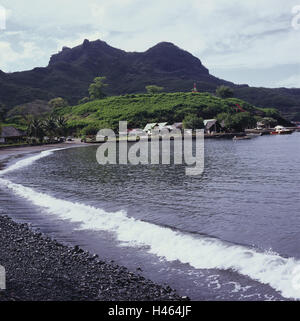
x,y
252,135
280,130
241,137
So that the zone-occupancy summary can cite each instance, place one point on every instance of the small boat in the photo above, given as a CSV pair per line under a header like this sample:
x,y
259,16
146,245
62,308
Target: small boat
x,y
280,130
252,135
241,137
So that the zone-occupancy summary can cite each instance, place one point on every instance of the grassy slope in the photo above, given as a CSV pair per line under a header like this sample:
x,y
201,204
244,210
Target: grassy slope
x,y
144,108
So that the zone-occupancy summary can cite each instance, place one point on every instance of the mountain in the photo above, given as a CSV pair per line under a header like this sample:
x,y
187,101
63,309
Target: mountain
x,y
70,72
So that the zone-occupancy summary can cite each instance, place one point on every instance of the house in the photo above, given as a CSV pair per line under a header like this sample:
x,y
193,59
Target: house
x,y
162,125
177,126
136,131
10,134
260,125
149,128
212,126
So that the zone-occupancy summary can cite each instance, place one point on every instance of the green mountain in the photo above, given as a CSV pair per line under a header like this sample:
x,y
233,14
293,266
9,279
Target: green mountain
x,y
70,72
140,109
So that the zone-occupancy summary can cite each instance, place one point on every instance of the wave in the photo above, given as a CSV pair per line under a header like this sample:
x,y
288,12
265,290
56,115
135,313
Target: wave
x,y
200,252
28,161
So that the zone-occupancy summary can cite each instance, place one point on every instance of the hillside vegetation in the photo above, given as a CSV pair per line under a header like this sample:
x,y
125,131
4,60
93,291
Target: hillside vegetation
x,y
140,109
71,71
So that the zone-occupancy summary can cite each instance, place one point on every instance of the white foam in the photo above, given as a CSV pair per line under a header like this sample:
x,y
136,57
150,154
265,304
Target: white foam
x,y
27,161
199,252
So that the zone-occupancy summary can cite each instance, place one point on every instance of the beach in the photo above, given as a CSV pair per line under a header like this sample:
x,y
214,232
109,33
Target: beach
x,y
39,268
7,152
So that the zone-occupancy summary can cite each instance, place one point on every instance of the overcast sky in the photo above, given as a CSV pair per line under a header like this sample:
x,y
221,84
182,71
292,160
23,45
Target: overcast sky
x,y
244,41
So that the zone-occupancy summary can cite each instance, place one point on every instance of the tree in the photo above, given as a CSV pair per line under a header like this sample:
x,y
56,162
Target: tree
x,y
153,89
3,112
90,130
96,88
36,129
84,100
57,103
224,92
269,122
50,127
271,113
237,122
193,122
61,123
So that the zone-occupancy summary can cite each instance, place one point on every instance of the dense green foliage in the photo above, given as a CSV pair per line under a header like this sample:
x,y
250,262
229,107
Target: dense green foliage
x,y
3,112
51,126
138,110
22,114
193,122
224,92
153,89
57,103
96,88
237,122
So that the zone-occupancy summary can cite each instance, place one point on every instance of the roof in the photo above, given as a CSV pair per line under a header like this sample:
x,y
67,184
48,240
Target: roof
x,y
152,125
209,122
10,131
161,125
177,125
149,126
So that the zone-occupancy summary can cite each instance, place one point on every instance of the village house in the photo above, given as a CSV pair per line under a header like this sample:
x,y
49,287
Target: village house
x,y
212,126
12,135
155,127
177,126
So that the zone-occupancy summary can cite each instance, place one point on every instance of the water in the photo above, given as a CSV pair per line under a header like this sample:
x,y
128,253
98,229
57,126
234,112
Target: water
x,y
231,234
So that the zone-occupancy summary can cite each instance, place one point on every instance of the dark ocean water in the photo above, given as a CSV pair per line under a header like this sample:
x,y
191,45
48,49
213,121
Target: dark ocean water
x,y
231,234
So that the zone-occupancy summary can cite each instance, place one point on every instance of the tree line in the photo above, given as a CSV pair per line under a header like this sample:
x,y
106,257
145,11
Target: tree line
x,y
51,127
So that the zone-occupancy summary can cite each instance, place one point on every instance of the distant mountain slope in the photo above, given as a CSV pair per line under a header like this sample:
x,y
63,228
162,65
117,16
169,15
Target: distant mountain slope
x,y
70,72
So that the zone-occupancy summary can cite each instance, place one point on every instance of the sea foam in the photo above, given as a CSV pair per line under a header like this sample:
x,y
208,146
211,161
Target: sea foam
x,y
198,251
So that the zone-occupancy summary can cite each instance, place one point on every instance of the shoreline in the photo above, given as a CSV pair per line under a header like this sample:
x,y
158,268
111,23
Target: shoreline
x,y
39,268
8,152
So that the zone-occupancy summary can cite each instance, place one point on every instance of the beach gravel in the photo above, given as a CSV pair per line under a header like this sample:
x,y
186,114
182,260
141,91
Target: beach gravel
x,y
41,269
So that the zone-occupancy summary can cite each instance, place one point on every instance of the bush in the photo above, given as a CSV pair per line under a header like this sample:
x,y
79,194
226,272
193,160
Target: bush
x,y
90,130
138,110
193,122
224,92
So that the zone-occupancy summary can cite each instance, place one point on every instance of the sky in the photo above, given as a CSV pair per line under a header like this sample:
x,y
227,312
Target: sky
x,y
255,42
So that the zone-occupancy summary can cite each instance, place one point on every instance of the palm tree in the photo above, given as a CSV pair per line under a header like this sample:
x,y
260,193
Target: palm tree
x,y
35,129
62,125
50,127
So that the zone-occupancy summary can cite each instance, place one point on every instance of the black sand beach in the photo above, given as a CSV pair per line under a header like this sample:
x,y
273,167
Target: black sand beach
x,y
41,269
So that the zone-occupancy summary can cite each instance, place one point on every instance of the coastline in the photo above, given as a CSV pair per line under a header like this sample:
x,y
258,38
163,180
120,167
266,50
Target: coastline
x,y
39,268
8,152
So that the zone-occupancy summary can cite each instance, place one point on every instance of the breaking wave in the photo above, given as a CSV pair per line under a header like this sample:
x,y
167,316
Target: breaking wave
x,y
200,252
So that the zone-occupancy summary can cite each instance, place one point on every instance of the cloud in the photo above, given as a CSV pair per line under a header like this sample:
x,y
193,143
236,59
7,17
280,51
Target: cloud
x,y
225,35
291,82
10,56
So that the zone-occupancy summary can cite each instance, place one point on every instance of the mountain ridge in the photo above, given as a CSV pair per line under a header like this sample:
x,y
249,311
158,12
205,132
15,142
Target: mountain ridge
x,y
71,70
